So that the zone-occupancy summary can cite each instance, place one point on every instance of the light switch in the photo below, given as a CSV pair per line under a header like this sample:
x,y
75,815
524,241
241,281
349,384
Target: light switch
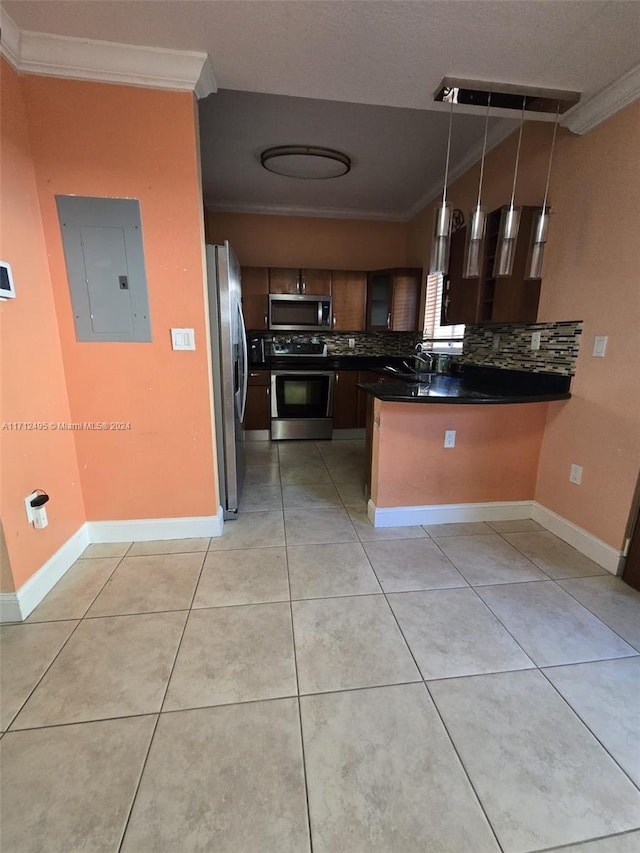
x,y
183,339
599,346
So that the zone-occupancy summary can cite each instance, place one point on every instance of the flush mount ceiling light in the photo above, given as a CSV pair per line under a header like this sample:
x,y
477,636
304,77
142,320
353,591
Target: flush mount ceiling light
x,y
306,162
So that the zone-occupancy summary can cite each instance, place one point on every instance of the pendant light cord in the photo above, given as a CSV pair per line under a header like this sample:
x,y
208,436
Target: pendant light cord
x,y
515,172
446,168
484,150
553,145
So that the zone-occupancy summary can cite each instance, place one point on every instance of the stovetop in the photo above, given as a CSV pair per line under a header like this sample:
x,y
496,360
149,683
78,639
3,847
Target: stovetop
x,y
297,348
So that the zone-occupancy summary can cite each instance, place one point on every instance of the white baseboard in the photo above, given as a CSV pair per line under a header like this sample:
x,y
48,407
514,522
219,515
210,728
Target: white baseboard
x,y
146,529
600,552
404,516
16,606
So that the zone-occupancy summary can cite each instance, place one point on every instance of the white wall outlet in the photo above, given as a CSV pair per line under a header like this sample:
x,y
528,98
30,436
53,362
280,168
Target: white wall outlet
x,y
450,438
575,475
495,343
352,343
535,340
40,519
599,346
28,507
183,339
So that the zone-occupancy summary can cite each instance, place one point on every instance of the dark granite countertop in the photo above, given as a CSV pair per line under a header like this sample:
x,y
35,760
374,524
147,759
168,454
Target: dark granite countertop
x,y
475,385
331,362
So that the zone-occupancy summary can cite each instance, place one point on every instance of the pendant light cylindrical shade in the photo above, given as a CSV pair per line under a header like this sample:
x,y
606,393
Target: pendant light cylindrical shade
x,y
508,236
474,242
509,221
441,243
538,242
541,222
442,218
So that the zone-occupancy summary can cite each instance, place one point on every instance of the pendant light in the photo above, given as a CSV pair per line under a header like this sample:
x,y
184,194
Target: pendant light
x,y
541,221
476,228
509,221
442,216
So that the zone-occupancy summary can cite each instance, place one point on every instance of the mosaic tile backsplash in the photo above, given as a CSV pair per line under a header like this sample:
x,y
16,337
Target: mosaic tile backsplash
x,y
366,343
559,344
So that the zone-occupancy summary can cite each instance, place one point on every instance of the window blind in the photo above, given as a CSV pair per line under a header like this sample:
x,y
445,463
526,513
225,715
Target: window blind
x,y
445,338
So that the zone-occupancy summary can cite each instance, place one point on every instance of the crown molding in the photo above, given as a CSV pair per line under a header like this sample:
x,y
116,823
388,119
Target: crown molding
x,y
588,114
9,38
311,212
495,136
106,62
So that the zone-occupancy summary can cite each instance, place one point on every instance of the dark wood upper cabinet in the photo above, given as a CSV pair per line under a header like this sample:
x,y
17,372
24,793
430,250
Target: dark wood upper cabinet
x,y
349,294
300,282
255,292
393,299
509,299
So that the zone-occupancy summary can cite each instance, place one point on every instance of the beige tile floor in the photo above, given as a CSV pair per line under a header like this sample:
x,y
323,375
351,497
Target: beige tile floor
x,y
307,683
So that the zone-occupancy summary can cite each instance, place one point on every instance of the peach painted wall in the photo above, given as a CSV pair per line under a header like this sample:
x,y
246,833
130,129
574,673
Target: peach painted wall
x,y
32,381
591,274
495,457
95,139
296,241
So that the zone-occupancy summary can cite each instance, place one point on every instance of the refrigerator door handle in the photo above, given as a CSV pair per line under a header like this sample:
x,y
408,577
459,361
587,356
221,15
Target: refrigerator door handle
x,y
245,365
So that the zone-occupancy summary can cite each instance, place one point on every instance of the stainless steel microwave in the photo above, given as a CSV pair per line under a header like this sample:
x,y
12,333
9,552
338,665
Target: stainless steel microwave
x,y
291,313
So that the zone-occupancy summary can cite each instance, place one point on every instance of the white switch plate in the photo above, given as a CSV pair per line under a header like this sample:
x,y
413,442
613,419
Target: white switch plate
x,y
535,340
352,343
450,438
575,475
599,346
496,341
183,339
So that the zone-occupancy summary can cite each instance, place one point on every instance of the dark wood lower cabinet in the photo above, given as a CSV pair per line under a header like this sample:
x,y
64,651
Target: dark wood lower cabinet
x,y
258,410
345,400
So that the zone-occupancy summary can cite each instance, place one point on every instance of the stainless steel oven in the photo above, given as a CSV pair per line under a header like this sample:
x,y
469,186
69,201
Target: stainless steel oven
x,y
301,404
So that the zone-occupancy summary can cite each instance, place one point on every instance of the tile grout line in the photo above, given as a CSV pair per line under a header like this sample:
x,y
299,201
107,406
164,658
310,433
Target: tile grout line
x,y
55,657
159,712
589,610
422,681
586,841
588,727
295,665
462,764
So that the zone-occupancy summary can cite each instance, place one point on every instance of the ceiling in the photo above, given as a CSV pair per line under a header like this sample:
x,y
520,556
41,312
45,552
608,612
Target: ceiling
x,y
356,75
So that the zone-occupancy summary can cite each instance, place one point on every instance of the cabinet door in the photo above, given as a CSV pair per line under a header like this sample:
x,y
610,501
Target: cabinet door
x,y
315,282
257,412
461,297
405,300
283,280
379,296
515,300
255,290
345,400
349,293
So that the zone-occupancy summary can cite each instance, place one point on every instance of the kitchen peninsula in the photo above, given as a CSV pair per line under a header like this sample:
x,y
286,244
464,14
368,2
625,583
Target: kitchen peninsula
x,y
488,467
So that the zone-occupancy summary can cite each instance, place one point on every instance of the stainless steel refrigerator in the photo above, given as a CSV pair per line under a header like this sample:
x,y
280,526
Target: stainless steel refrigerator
x,y
230,371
